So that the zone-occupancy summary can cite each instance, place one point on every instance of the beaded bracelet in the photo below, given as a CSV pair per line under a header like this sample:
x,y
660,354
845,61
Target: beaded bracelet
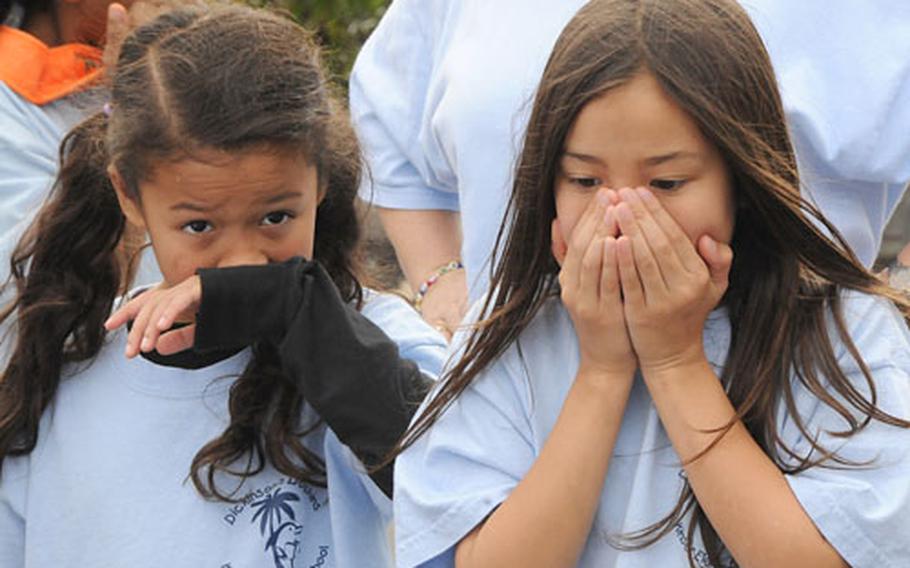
x,y
437,274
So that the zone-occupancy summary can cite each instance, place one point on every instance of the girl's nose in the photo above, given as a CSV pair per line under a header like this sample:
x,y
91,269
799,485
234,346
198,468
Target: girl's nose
x,y
242,257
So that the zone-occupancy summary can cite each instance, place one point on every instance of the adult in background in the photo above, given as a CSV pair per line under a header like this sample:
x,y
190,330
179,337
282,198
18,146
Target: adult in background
x,y
440,96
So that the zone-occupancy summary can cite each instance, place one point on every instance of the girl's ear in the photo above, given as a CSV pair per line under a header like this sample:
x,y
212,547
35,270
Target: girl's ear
x,y
128,204
558,242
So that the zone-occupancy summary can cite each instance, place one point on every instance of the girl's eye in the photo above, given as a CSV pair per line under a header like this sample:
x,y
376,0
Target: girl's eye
x,y
277,218
586,182
197,227
667,184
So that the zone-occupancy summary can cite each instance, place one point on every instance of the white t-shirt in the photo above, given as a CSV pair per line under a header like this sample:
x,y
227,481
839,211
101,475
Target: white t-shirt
x,y
441,94
482,447
107,484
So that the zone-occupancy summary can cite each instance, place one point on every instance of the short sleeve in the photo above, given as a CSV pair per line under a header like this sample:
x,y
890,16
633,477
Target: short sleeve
x,y
844,76
389,92
863,511
467,464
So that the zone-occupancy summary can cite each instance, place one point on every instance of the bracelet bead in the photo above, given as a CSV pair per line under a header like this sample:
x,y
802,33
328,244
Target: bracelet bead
x,y
425,286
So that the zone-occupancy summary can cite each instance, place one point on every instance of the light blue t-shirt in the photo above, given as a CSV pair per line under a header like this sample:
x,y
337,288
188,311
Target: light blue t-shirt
x,y
107,484
441,94
482,447
30,137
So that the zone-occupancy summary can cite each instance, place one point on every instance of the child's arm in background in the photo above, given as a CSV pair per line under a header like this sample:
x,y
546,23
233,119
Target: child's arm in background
x,y
347,369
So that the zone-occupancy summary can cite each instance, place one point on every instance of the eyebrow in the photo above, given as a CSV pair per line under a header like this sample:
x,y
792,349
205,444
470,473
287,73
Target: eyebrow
x,y
679,155
186,206
282,197
195,207
651,161
584,158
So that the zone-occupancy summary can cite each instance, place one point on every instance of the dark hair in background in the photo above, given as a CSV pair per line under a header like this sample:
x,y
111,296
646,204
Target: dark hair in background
x,y
228,78
786,275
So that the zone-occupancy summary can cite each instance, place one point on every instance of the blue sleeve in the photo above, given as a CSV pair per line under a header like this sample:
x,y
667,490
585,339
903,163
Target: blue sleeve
x,y
390,101
844,76
464,467
863,511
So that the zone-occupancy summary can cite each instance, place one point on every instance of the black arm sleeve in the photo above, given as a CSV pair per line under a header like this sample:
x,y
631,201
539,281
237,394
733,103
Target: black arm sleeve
x,y
346,368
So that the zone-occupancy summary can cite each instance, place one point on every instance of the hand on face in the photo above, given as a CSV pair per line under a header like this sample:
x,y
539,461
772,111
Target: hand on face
x,y
669,285
156,311
590,287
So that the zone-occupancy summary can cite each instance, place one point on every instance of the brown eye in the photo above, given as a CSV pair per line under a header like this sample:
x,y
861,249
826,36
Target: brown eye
x,y
276,218
586,182
667,184
197,227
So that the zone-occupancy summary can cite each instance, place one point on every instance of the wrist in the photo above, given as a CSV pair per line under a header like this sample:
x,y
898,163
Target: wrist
x,y
605,379
676,370
447,269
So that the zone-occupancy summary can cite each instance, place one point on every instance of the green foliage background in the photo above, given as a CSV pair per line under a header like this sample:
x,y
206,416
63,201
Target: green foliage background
x,y
342,25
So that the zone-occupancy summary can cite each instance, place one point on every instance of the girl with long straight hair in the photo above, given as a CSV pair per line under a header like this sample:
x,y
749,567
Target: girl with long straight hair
x,y
679,361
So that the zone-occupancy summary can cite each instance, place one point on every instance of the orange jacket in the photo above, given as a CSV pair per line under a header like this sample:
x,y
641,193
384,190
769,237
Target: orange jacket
x,y
41,74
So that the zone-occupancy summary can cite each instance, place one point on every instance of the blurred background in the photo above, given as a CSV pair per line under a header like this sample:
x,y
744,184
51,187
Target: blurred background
x,y
342,25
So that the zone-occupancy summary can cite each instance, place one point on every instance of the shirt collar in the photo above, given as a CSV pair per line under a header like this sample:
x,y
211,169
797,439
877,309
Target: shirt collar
x,y
42,74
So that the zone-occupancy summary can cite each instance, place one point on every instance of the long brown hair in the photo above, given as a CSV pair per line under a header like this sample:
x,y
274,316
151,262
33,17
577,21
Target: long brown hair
x,y
787,274
228,78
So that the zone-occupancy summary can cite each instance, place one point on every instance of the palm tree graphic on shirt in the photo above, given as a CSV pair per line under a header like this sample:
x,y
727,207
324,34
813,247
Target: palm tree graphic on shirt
x,y
283,533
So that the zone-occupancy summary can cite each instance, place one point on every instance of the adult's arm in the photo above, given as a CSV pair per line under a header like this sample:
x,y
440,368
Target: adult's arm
x,y
418,202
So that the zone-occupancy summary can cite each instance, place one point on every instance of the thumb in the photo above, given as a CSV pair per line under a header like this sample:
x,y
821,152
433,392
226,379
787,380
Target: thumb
x,y
118,27
719,258
177,340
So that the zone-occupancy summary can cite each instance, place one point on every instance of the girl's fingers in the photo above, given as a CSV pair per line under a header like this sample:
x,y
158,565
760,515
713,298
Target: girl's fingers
x,y
177,340
685,251
152,330
609,277
719,258
125,313
589,279
649,271
581,237
184,299
659,242
137,331
632,292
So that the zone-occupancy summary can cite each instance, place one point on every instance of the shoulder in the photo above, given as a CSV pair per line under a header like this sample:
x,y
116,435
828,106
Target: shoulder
x,y
19,119
536,369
